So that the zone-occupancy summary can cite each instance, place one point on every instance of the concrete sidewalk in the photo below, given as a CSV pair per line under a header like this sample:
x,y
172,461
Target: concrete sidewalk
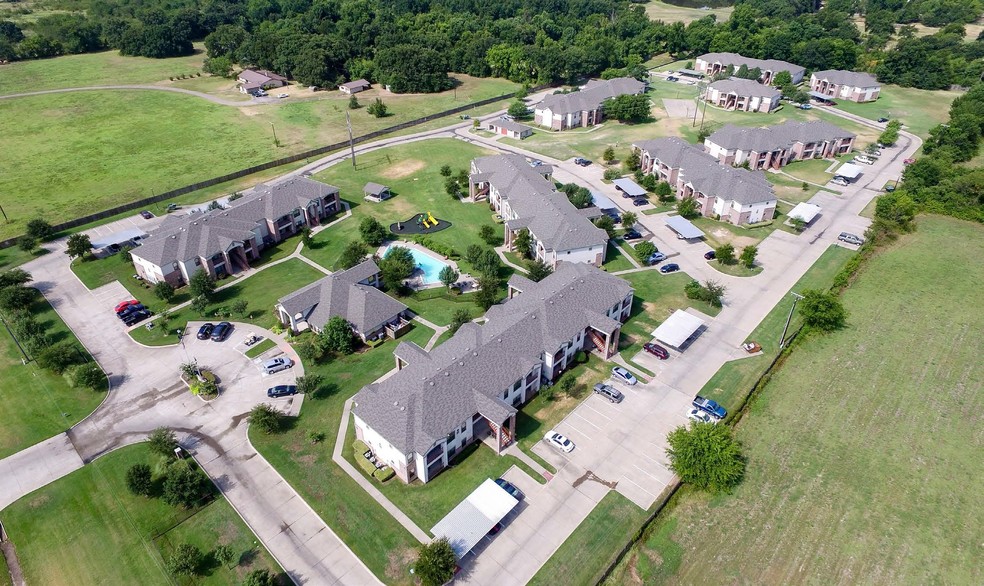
x,y
38,465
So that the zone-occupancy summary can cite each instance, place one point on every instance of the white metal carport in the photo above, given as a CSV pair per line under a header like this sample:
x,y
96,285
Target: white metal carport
x,y
683,227
805,211
679,329
848,171
471,520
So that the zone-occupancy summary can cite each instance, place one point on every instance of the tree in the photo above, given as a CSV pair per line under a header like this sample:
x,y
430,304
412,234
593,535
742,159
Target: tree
x,y
448,276
199,304
309,384
397,265
489,235
14,297
377,109
354,253
473,253
663,190
58,358
748,255
412,69
488,263
162,441
201,284
798,223
607,224
353,103
629,219
239,307
258,578
687,207
706,456
27,243
487,295
16,276
538,270
782,79
336,336
445,170
568,385
39,230
306,237
266,418
633,162
224,554
459,318
609,155
87,375
644,250
435,562
164,291
725,254
78,245
220,66
891,134
611,174
373,233
185,486
185,561
627,108
139,480
518,110
822,310
523,243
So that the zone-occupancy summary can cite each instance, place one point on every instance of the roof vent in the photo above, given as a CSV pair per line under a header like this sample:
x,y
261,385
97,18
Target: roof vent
x,y
461,363
403,408
396,403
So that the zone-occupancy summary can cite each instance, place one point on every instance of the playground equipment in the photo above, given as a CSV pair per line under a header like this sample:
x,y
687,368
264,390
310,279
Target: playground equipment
x,y
421,223
427,220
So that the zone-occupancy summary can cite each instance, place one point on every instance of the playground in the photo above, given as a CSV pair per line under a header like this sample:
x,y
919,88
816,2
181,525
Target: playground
x,y
424,223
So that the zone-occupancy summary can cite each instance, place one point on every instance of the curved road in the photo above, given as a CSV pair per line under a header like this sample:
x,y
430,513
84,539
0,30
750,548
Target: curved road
x,y
98,88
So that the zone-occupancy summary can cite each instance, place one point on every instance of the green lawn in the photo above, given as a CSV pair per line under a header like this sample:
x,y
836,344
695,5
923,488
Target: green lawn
x,y
615,258
13,256
736,269
37,403
98,272
592,547
438,306
372,533
86,528
790,189
669,13
261,290
919,110
864,448
260,348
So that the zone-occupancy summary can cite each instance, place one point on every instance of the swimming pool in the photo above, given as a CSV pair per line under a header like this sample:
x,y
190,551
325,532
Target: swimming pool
x,y
430,266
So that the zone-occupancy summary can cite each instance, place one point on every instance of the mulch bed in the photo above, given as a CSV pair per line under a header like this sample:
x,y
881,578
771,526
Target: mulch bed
x,y
412,226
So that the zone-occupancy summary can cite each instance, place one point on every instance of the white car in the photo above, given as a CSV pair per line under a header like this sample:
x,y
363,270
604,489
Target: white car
x,y
701,416
622,375
864,159
283,95
839,181
277,364
559,441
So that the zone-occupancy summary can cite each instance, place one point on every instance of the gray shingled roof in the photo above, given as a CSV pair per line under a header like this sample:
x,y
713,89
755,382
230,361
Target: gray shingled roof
x,y
374,189
440,389
510,125
850,78
546,212
745,87
340,294
780,136
737,60
182,238
260,76
706,175
592,95
355,84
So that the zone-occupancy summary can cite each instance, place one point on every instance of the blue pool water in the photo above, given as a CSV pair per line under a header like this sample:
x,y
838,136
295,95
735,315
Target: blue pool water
x,y
430,266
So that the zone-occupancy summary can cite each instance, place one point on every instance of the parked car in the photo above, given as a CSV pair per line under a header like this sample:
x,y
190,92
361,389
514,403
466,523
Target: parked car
x,y
850,238
864,159
465,117
281,391
710,406
136,317
559,441
277,364
124,304
670,268
656,350
609,392
639,201
699,416
495,529
909,161
130,310
146,215
581,162
113,248
631,235
672,78
536,163
614,215
890,187
710,255
883,119
221,331
282,96
620,374
510,488
205,332
655,258
840,181
805,107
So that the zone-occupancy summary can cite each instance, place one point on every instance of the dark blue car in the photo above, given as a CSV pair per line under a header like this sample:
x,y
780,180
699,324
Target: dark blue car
x,y
710,406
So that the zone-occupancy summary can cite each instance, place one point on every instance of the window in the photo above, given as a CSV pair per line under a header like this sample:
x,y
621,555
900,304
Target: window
x,y
505,394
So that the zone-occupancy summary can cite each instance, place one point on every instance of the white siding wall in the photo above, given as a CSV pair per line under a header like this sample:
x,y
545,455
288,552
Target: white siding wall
x,y
382,448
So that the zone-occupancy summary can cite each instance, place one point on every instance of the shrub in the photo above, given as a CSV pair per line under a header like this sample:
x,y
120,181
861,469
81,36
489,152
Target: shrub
x,y
185,561
58,358
823,310
377,109
164,291
184,485
725,254
87,375
373,233
223,554
644,250
162,441
611,174
139,480
489,235
266,418
258,578
707,456
435,562
27,243
316,437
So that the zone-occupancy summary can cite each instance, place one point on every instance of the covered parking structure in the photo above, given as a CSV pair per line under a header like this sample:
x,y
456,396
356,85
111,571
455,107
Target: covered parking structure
x,y
848,171
629,188
118,238
683,227
805,211
471,520
679,330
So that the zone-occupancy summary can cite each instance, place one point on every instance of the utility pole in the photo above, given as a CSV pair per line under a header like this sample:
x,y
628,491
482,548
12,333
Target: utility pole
x,y
275,141
348,123
4,214
782,340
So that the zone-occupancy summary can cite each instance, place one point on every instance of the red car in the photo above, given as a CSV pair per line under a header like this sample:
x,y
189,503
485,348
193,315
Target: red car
x,y
124,304
909,161
656,350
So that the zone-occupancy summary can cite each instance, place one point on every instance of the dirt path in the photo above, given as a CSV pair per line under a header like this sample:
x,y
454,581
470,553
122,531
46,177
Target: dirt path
x,y
99,88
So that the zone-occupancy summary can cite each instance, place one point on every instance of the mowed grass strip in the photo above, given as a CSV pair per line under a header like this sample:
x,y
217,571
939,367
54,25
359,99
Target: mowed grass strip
x,y
919,110
37,403
86,528
864,448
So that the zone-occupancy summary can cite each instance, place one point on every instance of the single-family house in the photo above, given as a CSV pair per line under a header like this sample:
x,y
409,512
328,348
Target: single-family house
x,y
711,64
351,294
376,192
743,95
509,128
254,81
847,85
583,107
776,146
225,241
470,387
734,195
354,87
525,197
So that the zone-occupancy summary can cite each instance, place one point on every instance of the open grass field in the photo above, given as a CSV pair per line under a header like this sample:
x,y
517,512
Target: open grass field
x,y
919,110
372,533
86,528
864,448
37,403
668,13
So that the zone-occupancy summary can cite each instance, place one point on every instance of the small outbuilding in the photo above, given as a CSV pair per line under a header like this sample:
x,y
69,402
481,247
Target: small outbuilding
x,y
805,211
848,171
471,520
354,87
679,330
510,129
376,192
629,188
684,228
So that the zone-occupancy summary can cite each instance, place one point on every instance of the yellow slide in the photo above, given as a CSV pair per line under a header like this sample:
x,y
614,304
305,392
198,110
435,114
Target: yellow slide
x,y
430,217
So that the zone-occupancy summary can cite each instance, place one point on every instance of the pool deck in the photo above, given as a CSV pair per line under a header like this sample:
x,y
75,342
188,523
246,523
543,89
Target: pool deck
x,y
415,282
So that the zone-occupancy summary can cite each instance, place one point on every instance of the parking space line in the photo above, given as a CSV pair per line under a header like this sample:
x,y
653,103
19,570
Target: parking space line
x,y
642,488
598,411
586,420
649,474
577,430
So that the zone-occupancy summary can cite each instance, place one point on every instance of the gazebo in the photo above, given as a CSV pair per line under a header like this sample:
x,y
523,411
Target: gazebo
x,y
376,192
